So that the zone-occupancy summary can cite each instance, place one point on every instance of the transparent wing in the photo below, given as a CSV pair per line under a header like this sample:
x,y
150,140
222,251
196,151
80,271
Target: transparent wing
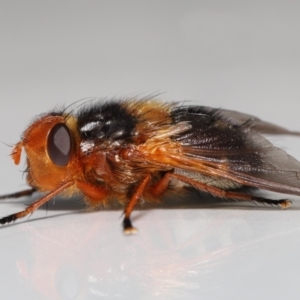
x,y
215,145
257,124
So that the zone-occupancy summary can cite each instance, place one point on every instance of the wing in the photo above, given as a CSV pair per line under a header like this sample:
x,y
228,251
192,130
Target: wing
x,y
257,124
216,146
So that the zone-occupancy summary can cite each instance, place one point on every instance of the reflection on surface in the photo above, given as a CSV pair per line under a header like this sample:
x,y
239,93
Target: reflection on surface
x,y
177,253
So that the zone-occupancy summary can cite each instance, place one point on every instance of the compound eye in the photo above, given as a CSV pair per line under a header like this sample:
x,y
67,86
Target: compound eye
x,y
59,145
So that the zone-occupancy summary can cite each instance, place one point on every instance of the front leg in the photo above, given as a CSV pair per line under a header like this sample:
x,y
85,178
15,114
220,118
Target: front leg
x,y
27,192
127,225
35,205
95,195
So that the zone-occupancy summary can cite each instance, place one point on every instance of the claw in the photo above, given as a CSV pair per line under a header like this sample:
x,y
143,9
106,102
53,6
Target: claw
x,y
285,203
128,228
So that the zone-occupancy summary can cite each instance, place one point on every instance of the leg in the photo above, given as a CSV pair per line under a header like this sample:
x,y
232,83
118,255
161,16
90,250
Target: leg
x,y
128,228
95,195
35,205
162,185
28,192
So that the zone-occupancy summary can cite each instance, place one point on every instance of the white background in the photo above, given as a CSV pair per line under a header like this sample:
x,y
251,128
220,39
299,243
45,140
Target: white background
x,y
241,55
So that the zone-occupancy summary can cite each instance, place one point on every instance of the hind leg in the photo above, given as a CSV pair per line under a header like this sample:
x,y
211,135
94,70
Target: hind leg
x,y
163,184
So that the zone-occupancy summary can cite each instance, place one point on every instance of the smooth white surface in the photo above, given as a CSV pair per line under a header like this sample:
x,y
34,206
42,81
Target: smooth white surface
x,y
240,55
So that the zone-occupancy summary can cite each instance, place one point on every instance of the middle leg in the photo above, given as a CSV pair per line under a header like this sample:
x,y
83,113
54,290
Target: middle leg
x,y
127,225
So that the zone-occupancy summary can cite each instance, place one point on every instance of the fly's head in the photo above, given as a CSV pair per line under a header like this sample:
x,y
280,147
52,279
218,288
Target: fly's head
x,y
50,145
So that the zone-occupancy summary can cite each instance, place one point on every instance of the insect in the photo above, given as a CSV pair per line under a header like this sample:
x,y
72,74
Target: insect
x,y
143,149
